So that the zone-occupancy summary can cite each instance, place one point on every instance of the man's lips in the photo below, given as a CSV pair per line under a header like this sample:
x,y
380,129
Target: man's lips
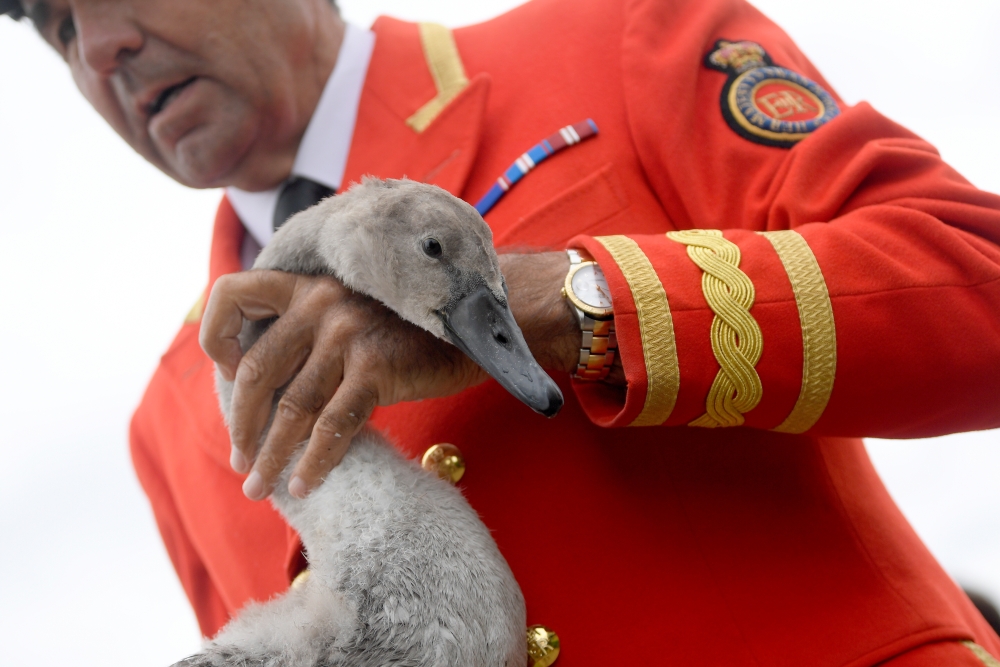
x,y
166,96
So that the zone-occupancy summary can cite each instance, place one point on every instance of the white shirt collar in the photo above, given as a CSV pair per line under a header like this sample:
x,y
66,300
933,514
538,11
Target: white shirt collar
x,y
322,155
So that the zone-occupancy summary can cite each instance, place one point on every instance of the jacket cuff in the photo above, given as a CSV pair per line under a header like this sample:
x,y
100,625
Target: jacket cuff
x,y
668,346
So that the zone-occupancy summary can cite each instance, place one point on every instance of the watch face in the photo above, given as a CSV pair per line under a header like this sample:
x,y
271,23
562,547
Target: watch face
x,y
591,287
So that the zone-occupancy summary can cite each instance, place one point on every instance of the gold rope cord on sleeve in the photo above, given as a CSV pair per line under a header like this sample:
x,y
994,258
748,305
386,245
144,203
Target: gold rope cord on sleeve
x,y
736,339
446,69
819,332
656,329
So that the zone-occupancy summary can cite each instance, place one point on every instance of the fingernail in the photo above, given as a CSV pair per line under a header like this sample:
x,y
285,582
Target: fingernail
x,y
297,487
253,487
237,461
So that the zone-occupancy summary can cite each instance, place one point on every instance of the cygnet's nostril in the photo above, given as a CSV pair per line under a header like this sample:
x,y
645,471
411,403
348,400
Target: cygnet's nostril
x,y
500,338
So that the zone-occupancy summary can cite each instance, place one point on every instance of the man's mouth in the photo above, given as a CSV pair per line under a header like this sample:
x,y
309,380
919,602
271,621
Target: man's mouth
x,y
166,96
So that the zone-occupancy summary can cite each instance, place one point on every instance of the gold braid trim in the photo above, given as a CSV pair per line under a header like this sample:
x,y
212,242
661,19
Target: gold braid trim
x,y
819,332
446,68
736,339
981,653
656,329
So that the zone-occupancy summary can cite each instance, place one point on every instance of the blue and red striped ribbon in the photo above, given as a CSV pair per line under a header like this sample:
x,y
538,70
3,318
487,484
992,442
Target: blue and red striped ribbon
x,y
564,138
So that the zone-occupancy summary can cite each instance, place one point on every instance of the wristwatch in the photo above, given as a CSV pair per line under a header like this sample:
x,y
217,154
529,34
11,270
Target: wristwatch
x,y
587,290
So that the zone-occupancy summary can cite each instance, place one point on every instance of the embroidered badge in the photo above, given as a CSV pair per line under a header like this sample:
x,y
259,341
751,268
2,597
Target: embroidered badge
x,y
764,103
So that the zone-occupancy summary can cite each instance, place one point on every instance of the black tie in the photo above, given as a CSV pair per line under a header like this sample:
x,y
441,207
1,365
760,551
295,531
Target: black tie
x,y
298,194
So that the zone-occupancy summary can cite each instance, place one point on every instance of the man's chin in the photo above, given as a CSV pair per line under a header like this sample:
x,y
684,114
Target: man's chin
x,y
202,159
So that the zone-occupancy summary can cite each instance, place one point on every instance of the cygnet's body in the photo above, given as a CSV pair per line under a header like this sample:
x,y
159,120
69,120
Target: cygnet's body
x,y
402,571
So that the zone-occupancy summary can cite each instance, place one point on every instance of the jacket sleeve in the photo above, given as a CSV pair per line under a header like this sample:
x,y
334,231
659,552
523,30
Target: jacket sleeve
x,y
848,285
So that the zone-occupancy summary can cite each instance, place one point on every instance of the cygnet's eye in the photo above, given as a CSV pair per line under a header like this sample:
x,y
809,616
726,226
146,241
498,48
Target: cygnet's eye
x,y
432,248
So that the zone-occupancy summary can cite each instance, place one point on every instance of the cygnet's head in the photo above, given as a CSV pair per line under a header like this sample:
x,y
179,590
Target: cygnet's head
x,y
429,257
412,246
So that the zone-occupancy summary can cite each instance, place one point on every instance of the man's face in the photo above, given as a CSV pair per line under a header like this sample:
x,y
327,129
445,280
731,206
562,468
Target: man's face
x,y
213,92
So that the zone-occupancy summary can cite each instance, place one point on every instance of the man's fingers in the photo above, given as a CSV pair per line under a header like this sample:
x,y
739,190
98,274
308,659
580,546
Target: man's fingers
x,y
342,418
220,328
269,364
252,295
297,411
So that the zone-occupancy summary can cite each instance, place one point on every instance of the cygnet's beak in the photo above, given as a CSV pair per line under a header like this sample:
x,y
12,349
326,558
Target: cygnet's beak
x,y
483,328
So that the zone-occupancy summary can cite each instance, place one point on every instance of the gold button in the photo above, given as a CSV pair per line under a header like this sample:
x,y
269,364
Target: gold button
x,y
445,461
543,646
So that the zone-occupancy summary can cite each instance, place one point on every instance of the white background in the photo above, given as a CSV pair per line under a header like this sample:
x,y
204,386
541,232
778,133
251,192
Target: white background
x,y
101,256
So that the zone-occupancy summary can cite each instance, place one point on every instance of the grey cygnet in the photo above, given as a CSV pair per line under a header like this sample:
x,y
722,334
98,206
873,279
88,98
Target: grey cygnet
x,y
402,570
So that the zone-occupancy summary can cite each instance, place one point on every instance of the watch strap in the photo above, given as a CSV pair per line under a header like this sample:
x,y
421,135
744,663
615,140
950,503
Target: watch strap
x,y
597,349
599,344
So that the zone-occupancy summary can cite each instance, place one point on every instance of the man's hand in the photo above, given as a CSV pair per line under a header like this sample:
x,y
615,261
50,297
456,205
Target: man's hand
x,y
347,353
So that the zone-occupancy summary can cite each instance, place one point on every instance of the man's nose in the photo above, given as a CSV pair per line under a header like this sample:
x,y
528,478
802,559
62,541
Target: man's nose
x,y
106,34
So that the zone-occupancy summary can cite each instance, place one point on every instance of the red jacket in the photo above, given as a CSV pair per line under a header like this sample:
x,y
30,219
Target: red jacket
x,y
661,544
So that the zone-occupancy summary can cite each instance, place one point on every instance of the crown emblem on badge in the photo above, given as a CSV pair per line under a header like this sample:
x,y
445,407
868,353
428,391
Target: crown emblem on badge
x,y
738,56
764,103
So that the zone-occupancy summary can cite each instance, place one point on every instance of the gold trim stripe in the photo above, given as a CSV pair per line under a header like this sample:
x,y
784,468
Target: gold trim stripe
x,y
736,338
656,329
446,68
819,331
197,310
981,653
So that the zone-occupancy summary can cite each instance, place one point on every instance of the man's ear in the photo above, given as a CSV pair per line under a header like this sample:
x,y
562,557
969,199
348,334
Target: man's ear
x,y
12,8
